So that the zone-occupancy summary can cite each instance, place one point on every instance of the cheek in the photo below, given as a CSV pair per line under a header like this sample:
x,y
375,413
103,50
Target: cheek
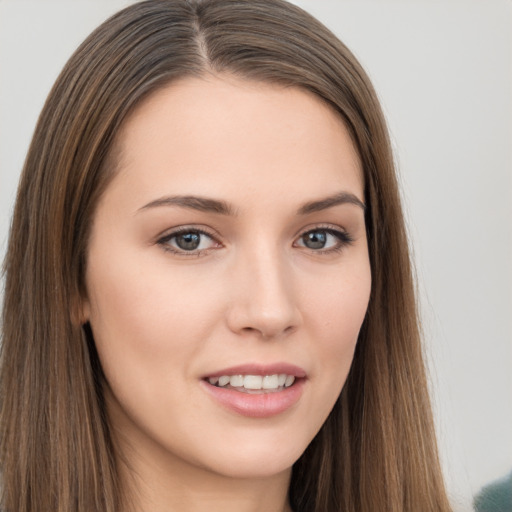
x,y
338,306
346,311
146,321
336,314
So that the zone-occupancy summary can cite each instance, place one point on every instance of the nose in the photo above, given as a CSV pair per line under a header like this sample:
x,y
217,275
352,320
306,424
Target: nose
x,y
264,299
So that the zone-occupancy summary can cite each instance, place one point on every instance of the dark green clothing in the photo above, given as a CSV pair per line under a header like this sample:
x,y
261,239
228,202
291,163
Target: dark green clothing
x,y
495,497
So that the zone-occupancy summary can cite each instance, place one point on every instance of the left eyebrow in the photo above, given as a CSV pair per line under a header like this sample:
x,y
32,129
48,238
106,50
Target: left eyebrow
x,y
329,202
203,204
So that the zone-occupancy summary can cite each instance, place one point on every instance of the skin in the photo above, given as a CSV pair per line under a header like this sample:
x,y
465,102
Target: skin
x,y
254,292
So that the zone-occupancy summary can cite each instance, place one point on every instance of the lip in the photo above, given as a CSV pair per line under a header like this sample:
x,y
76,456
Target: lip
x,y
260,369
258,405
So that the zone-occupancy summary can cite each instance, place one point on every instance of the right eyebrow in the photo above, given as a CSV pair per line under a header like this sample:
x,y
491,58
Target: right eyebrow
x,y
330,201
202,204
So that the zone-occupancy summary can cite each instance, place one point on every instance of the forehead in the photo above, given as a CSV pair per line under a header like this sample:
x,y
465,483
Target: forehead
x,y
222,134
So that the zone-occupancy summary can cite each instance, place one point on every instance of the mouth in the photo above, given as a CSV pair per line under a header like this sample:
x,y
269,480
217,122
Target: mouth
x,y
253,384
256,391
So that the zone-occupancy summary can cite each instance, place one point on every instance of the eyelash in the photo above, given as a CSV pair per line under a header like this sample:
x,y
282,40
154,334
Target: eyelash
x,y
164,241
344,240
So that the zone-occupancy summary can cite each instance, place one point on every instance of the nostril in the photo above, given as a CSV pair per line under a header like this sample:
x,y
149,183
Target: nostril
x,y
268,333
266,319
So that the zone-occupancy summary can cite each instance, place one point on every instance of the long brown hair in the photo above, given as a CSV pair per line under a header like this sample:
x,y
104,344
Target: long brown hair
x,y
377,449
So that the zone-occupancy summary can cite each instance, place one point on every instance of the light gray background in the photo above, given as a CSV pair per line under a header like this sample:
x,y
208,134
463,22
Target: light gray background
x,y
443,70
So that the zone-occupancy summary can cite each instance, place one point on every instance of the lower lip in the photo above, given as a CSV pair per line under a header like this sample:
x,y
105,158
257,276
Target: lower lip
x,y
258,405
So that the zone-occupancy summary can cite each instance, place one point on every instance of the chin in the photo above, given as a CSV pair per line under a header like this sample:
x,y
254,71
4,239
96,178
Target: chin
x,y
253,468
257,458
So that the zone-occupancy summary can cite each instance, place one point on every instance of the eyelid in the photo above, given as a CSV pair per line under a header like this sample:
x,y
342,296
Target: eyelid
x,y
163,239
344,237
323,226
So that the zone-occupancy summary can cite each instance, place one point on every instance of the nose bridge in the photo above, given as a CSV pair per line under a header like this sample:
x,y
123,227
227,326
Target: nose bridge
x,y
264,298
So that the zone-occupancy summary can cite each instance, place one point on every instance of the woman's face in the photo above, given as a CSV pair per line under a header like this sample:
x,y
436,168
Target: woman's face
x,y
228,275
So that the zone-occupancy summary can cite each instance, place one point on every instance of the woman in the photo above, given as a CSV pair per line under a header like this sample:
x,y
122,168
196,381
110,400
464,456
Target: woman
x,y
209,300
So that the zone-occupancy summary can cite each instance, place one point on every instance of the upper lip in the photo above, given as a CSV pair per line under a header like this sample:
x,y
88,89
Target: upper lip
x,y
261,369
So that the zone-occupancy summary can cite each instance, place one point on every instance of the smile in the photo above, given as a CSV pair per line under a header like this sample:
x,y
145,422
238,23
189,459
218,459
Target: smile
x,y
256,391
253,383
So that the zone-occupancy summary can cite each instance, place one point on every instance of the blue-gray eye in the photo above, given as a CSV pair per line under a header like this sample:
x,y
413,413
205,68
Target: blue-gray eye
x,y
187,240
324,239
315,239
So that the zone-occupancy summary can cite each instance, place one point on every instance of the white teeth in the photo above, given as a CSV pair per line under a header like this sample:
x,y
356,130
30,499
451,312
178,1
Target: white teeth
x,y
224,380
253,382
270,382
290,379
237,381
